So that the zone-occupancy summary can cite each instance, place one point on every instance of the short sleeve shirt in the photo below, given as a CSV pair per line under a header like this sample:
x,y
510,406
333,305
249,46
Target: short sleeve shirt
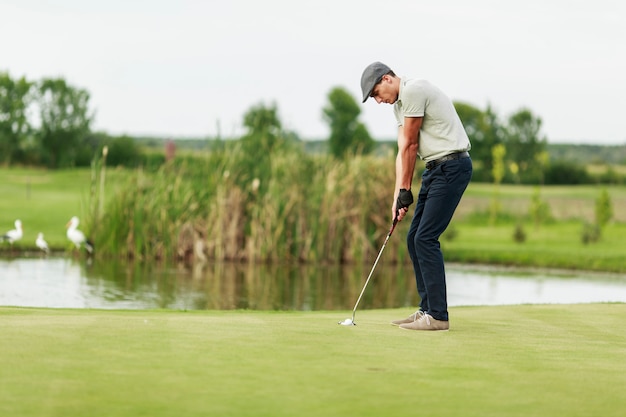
x,y
442,132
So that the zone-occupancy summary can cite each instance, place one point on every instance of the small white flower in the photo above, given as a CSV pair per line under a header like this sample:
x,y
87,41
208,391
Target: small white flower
x,y
256,183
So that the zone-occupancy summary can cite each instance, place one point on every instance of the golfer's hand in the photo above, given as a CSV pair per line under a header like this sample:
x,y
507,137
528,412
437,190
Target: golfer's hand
x,y
399,214
404,198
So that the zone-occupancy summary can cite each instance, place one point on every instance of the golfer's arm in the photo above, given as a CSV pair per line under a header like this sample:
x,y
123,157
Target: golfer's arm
x,y
408,139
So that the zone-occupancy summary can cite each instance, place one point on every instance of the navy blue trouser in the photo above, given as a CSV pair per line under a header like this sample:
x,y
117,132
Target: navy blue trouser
x,y
439,196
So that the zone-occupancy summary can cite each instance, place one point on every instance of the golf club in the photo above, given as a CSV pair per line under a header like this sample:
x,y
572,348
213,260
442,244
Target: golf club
x,y
350,322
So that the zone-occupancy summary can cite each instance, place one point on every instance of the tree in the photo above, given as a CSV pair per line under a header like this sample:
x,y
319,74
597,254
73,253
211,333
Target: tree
x,y
346,132
264,128
65,121
14,125
498,170
484,131
604,208
525,144
124,151
264,138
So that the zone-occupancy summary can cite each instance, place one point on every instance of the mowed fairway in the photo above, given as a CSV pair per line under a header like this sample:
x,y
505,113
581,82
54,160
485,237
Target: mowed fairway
x,y
541,360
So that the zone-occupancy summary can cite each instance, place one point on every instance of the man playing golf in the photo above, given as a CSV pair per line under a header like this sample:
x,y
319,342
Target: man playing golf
x,y
428,126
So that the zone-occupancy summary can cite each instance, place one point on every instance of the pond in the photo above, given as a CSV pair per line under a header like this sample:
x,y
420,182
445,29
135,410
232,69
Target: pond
x,y
63,282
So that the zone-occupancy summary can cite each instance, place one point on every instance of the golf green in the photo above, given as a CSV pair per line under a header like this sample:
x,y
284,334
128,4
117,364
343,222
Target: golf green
x,y
540,360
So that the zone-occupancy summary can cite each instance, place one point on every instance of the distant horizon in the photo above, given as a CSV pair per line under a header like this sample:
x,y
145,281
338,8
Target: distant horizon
x,y
312,139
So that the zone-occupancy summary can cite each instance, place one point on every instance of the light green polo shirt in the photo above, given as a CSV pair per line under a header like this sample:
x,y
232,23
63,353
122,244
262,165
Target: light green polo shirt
x,y
442,132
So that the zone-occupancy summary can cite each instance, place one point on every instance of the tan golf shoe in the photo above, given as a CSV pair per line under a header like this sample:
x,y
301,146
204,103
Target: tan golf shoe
x,y
413,317
426,322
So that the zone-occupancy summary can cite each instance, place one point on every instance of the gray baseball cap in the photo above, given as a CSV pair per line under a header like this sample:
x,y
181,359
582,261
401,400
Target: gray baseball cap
x,y
372,75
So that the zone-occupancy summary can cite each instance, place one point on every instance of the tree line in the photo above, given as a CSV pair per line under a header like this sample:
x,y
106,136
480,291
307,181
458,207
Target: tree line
x,y
48,123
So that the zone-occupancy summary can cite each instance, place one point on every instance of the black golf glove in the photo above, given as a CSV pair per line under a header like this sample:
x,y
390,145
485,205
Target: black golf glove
x,y
405,199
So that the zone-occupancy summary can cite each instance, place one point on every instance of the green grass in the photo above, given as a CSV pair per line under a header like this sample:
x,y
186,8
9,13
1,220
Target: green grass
x,y
45,201
552,245
543,360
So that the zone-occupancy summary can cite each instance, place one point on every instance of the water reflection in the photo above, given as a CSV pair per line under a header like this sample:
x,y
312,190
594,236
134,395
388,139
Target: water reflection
x,y
227,286
72,283
60,282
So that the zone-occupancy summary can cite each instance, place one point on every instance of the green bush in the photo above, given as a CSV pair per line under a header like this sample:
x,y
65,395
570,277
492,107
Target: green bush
x,y
566,172
519,235
590,233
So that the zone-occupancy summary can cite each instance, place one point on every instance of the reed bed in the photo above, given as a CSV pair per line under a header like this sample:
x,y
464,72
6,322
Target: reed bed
x,y
229,205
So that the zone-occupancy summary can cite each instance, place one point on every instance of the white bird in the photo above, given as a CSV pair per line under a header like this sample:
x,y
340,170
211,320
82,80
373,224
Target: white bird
x,y
41,243
76,236
13,235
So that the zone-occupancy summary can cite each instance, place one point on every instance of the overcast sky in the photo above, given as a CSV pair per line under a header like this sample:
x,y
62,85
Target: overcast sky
x,y
191,68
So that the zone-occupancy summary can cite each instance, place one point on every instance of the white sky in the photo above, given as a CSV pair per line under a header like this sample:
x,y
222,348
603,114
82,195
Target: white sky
x,y
185,67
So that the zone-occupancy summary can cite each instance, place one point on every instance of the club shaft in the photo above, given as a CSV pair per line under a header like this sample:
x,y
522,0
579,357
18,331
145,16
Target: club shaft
x,y
373,268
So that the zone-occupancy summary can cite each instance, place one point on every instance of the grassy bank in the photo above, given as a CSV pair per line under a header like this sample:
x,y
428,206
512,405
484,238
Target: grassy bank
x,y
554,245
496,361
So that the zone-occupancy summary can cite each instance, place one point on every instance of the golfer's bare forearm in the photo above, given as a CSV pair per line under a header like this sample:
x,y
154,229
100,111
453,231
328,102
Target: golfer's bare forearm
x,y
404,167
408,140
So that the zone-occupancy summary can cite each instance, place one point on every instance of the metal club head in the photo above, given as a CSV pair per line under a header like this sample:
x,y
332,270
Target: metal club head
x,y
347,322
